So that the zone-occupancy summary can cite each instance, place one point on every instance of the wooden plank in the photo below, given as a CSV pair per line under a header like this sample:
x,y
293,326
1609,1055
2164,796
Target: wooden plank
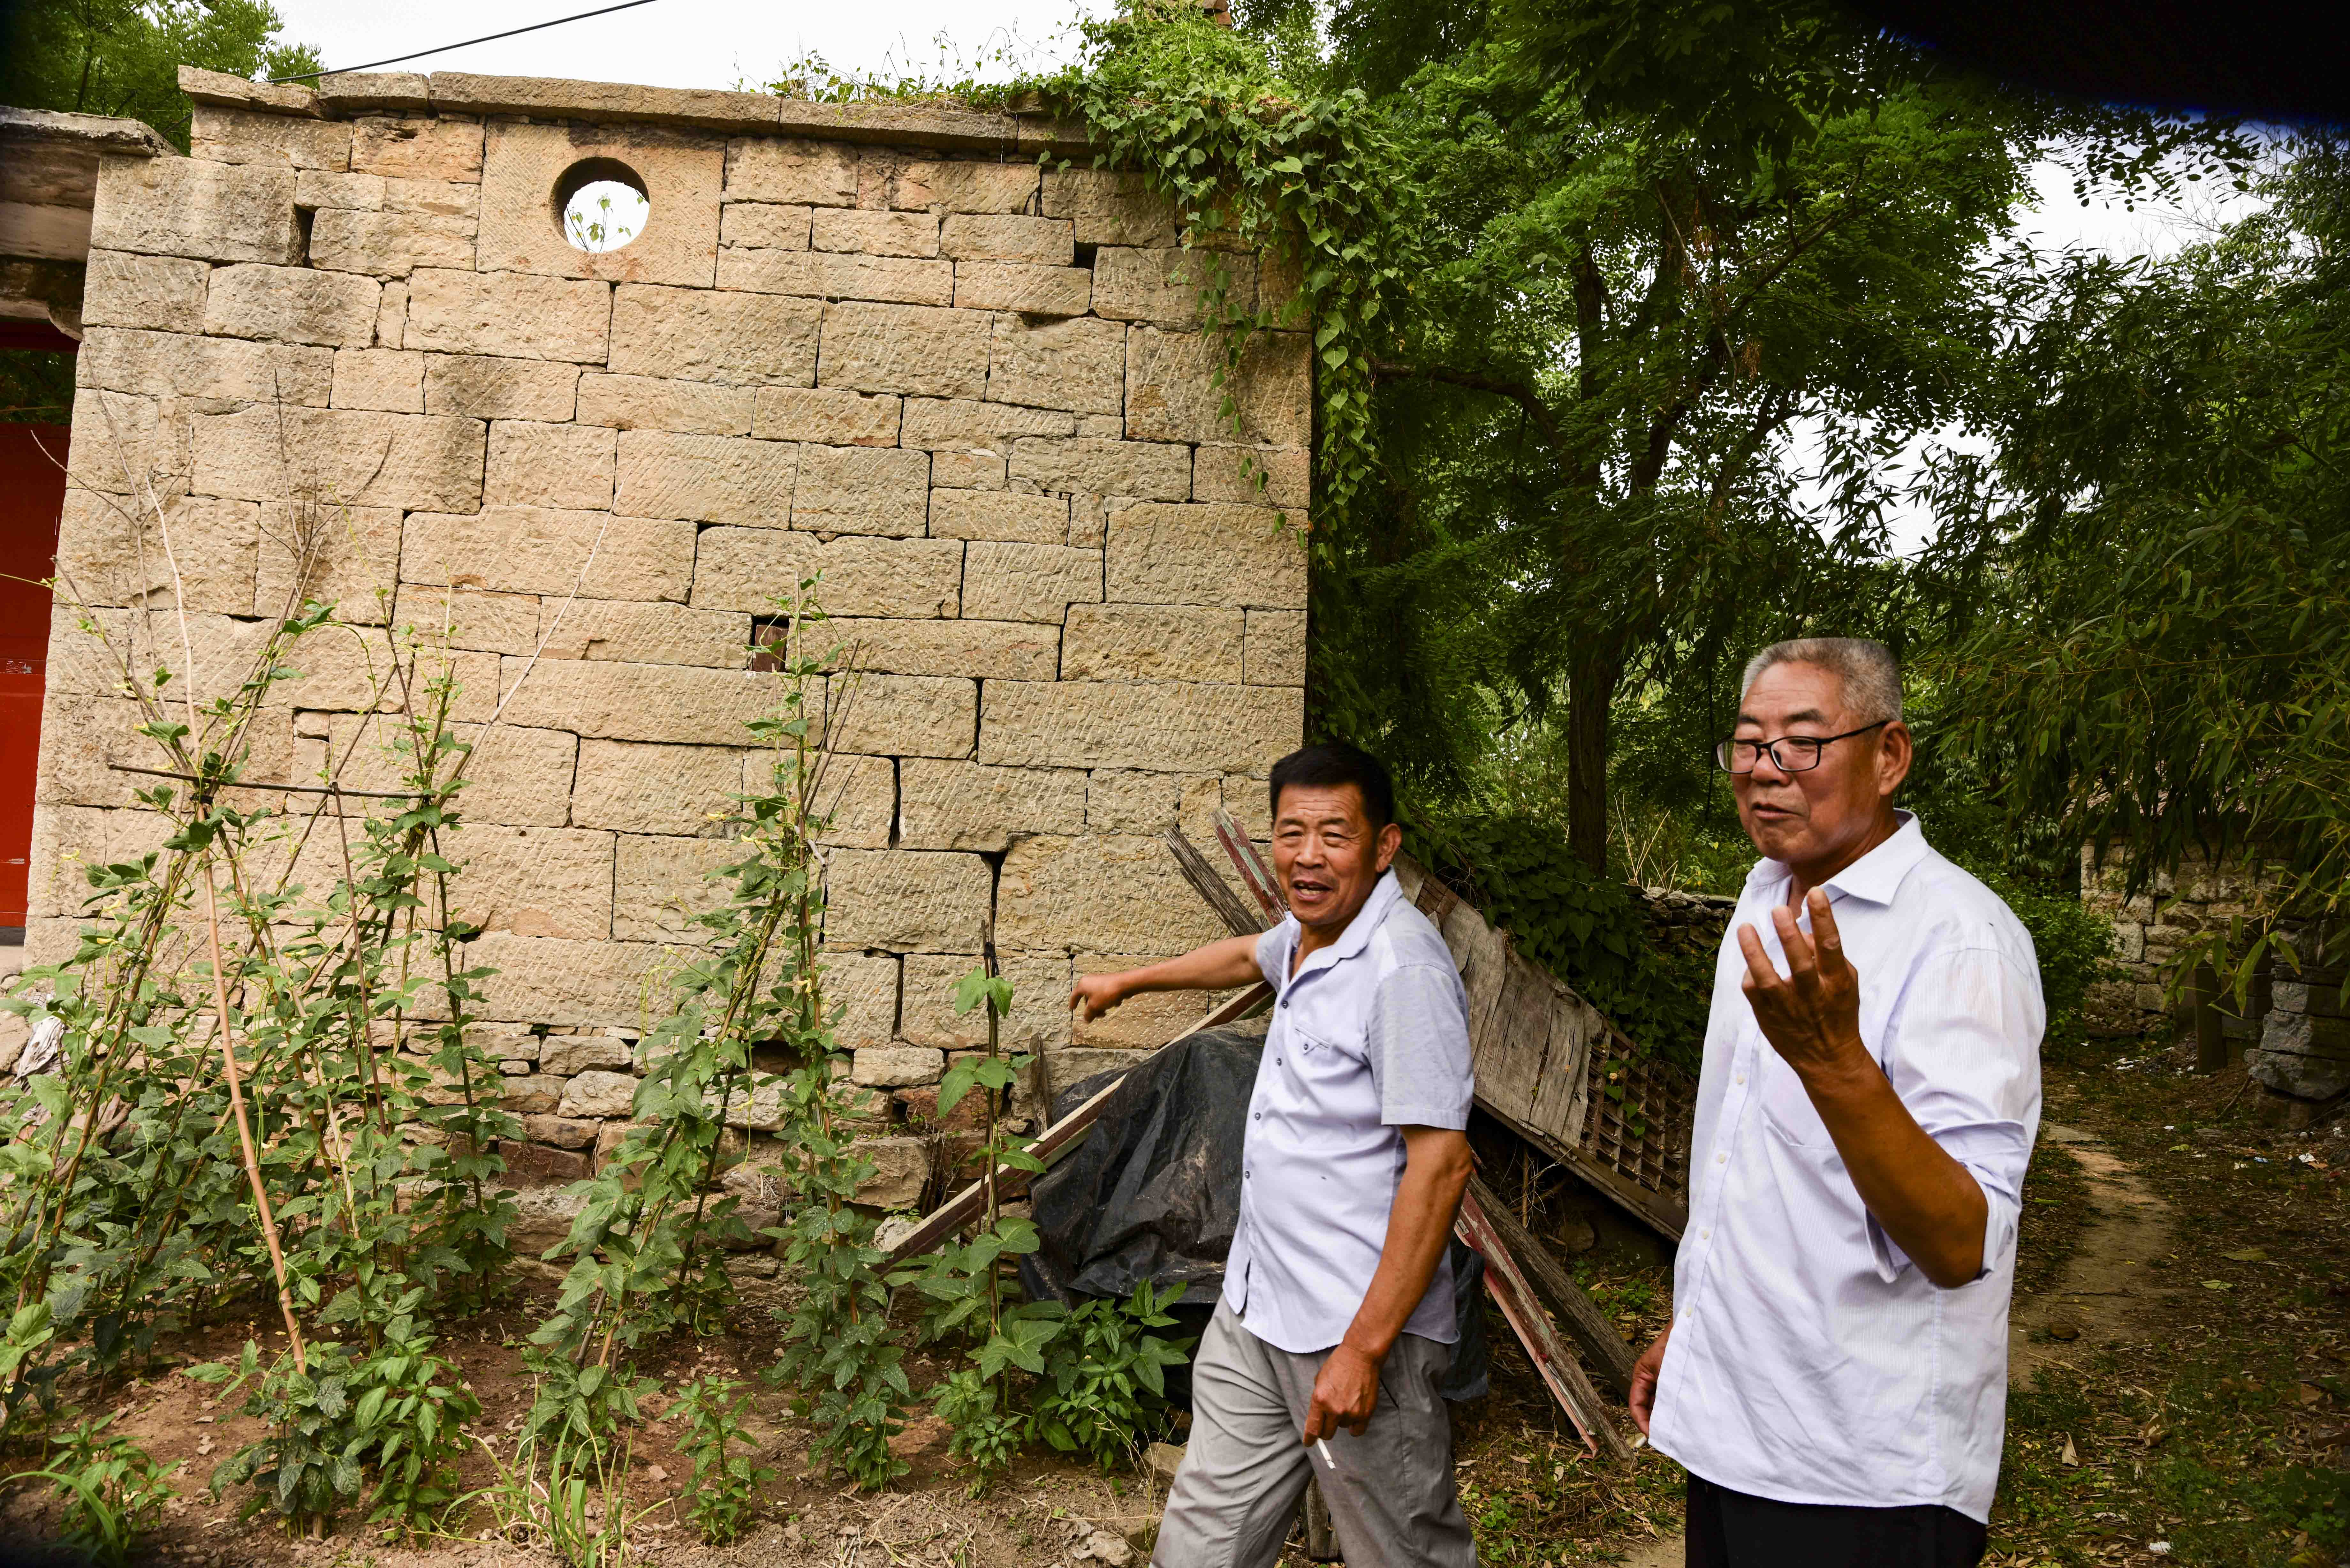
x,y
1054,1142
1236,916
1576,1313
1260,881
1526,1319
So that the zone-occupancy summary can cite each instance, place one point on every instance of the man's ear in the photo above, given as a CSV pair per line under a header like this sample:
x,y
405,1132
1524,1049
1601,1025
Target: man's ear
x,y
1390,843
1895,753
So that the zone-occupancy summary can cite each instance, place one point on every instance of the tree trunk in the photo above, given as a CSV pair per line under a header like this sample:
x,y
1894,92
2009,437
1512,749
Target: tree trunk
x,y
1591,687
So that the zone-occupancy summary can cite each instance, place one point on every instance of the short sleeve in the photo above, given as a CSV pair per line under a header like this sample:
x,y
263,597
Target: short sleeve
x,y
1417,1043
1965,1056
1273,950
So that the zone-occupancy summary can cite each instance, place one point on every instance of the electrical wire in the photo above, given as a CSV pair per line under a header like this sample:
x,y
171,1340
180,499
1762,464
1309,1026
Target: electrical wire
x,y
444,49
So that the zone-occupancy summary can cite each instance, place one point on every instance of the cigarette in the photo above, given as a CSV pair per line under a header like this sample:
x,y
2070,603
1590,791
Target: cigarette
x,y
1328,1456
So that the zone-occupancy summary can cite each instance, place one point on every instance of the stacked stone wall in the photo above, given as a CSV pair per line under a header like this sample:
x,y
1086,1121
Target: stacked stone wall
x,y
884,347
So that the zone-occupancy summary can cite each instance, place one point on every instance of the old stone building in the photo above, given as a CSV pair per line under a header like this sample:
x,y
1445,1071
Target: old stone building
x,y
885,346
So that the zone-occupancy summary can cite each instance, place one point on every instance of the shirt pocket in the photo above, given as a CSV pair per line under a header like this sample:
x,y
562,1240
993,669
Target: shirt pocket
x,y
1787,1109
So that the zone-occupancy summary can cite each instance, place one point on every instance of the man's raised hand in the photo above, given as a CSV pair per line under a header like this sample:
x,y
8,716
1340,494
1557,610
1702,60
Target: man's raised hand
x,y
1096,994
1811,1014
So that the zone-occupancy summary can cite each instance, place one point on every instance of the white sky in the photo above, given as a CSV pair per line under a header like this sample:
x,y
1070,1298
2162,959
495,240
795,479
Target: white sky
x,y
718,43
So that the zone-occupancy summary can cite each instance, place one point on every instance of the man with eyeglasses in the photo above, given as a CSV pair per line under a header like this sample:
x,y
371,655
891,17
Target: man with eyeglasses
x,y
1835,1377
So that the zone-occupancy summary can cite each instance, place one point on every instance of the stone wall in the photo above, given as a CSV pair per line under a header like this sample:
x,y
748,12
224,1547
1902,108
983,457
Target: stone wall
x,y
880,344
2152,930
1679,921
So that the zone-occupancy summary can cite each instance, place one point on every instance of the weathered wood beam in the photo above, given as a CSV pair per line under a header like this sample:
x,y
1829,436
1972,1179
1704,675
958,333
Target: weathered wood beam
x,y
1555,1289
1515,1297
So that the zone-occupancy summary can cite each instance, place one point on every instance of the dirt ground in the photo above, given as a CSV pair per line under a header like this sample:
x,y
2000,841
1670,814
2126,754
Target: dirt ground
x,y
2179,1351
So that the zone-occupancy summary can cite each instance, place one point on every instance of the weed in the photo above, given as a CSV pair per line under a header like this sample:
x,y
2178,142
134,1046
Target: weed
x,y
113,1492
725,1483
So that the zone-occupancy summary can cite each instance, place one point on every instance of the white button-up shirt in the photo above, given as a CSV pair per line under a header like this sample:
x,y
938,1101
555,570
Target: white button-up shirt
x,y
1369,1036
1810,1361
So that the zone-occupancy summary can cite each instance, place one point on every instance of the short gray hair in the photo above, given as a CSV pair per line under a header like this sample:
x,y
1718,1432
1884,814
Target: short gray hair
x,y
1871,674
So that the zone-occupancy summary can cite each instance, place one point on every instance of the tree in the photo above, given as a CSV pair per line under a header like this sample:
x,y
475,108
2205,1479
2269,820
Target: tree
x,y
2146,589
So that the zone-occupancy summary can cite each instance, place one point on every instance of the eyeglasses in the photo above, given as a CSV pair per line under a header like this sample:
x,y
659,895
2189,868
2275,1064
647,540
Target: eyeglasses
x,y
1801,754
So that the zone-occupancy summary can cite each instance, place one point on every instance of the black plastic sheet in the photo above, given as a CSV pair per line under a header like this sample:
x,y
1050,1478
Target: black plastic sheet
x,y
1153,1192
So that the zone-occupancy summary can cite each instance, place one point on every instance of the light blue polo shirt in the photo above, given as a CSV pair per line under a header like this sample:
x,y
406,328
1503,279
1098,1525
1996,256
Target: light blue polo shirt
x,y
1369,1036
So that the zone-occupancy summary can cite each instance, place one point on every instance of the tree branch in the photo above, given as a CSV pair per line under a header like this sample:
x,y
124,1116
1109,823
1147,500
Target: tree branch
x,y
1523,395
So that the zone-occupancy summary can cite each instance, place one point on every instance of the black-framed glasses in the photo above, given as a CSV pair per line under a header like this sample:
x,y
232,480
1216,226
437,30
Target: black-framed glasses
x,y
1789,753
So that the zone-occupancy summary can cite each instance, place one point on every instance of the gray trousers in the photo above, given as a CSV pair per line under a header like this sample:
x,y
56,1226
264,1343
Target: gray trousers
x,y
1391,1496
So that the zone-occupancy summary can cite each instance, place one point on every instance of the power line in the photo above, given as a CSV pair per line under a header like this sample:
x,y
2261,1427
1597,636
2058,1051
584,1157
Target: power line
x,y
444,49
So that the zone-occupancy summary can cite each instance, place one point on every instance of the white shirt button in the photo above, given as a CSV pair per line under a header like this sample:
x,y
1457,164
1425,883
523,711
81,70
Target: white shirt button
x,y
1721,1159
1706,1234
1741,1077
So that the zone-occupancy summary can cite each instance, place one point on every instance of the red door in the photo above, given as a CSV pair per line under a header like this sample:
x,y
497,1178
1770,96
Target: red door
x,y
32,494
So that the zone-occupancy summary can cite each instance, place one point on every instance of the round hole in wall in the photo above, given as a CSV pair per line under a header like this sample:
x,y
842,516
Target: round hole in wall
x,y
601,204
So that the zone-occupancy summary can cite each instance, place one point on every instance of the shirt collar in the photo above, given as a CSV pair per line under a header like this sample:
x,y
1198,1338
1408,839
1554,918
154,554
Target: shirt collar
x,y
1876,876
1357,934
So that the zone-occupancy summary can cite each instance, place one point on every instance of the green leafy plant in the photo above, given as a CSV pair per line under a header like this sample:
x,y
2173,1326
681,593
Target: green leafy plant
x,y
726,1489
306,1466
1104,1385
411,1427
113,1492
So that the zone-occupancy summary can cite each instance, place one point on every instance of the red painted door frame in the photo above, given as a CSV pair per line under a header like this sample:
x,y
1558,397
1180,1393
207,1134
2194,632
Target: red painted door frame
x,y
32,496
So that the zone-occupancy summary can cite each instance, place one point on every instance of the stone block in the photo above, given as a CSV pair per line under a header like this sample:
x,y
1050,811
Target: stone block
x,y
704,335
822,275
907,900
906,349
1100,893
903,715
521,777
963,805
657,403
1240,556
1125,800
827,416
194,207
1252,475
419,147
522,165
875,233
532,881
541,550
1040,1003
1142,470
162,293
1173,393
227,135
745,568
636,788
1028,582
862,490
549,980
88,652
390,244
320,190
356,673
765,225
345,456
431,198
902,1171
810,174
486,387
1276,648
2302,1054
1153,642
567,1055
559,1132
857,796
974,185
1010,516
348,556
968,424
68,840
661,883
1110,208
637,701
1165,727
1007,237
706,479
1066,1069
1018,285
644,633
864,987
108,730
143,447
596,1095
896,1067
967,471
1141,1022
1078,365
178,365
390,379
532,464
532,1164
986,650
1172,287
509,315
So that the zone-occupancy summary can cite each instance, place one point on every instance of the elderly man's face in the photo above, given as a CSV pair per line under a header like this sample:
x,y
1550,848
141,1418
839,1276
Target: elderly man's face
x,y
1819,816
1326,852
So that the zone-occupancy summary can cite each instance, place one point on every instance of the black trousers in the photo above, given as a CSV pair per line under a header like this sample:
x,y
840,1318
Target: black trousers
x,y
1730,1529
